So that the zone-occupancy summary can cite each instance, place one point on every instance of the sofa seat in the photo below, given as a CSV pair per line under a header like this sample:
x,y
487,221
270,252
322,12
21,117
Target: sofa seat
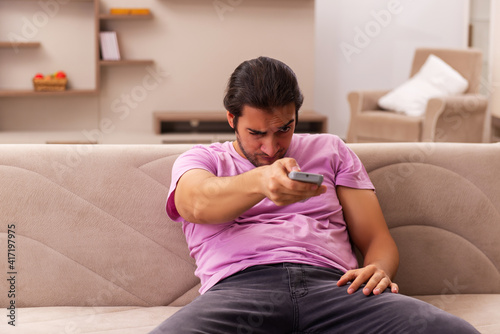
x,y
95,320
481,310
387,126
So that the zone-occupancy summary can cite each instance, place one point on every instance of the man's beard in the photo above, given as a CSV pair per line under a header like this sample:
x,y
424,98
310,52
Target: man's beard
x,y
253,158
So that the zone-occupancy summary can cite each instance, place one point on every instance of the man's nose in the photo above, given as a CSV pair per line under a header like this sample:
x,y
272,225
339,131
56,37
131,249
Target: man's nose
x,y
269,146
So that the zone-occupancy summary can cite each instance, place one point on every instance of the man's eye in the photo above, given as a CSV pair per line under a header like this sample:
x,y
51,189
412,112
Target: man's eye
x,y
285,130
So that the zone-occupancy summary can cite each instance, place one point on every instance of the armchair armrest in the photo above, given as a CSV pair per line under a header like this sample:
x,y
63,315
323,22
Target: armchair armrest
x,y
365,100
459,118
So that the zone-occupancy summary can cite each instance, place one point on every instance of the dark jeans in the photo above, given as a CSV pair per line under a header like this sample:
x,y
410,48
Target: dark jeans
x,y
295,298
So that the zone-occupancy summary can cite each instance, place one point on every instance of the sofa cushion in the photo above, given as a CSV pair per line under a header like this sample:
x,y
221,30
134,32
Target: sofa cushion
x,y
442,206
435,78
383,126
89,320
93,217
480,310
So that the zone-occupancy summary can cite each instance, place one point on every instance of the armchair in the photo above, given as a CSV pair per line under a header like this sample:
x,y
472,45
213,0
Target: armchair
x,y
457,118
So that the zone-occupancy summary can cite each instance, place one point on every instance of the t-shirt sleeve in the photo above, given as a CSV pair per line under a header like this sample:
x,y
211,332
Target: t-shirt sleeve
x,y
350,170
197,157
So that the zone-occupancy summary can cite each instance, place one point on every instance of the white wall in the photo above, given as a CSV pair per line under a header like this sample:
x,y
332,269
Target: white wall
x,y
28,21
66,33
480,19
195,45
495,58
369,44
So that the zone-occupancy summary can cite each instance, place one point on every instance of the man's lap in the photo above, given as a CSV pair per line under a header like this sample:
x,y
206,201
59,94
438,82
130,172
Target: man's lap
x,y
295,298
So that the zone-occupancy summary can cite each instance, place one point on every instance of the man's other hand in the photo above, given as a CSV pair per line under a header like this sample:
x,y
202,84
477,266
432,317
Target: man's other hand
x,y
376,280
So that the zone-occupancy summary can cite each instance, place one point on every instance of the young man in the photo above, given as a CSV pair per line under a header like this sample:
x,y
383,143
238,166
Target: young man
x,y
274,255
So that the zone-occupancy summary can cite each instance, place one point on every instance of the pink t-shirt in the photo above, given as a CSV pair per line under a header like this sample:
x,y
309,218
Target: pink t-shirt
x,y
313,232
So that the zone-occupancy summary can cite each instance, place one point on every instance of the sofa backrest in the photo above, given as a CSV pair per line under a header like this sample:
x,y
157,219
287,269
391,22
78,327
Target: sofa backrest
x,y
467,61
442,205
90,226
91,229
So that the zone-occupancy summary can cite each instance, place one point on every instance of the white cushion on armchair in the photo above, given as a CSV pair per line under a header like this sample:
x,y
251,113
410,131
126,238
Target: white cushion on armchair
x,y
435,78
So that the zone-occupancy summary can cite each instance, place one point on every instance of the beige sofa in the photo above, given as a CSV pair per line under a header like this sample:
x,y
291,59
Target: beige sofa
x,y
94,251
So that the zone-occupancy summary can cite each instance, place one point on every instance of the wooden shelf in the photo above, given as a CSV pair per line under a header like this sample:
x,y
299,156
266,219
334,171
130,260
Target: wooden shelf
x,y
125,17
31,93
127,62
98,19
177,122
8,45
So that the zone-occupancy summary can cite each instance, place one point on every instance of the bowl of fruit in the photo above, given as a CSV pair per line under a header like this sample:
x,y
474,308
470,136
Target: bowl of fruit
x,y
49,83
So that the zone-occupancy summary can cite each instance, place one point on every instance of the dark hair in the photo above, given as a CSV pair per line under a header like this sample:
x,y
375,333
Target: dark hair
x,y
262,83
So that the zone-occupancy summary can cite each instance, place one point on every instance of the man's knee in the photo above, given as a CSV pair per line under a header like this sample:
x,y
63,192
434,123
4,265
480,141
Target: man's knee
x,y
427,318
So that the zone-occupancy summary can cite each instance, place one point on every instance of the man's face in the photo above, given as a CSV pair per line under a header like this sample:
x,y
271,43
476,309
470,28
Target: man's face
x,y
263,137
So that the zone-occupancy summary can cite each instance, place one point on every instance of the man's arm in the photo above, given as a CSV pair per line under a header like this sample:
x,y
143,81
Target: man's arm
x,y
368,230
203,198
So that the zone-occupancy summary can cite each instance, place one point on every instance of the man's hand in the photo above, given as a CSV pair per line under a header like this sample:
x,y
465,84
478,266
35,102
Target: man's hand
x,y
279,188
368,231
376,280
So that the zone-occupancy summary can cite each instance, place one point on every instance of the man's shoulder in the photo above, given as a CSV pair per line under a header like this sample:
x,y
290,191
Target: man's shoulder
x,y
212,148
318,138
215,157
318,146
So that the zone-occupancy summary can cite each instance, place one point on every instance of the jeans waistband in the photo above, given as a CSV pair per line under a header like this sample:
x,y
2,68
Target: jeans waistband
x,y
300,265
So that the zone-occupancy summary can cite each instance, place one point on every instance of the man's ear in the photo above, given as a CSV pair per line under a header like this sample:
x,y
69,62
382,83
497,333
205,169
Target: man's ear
x,y
230,119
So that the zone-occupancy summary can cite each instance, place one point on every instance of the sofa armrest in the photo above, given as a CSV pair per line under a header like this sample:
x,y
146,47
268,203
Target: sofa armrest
x,y
455,118
360,101
365,100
